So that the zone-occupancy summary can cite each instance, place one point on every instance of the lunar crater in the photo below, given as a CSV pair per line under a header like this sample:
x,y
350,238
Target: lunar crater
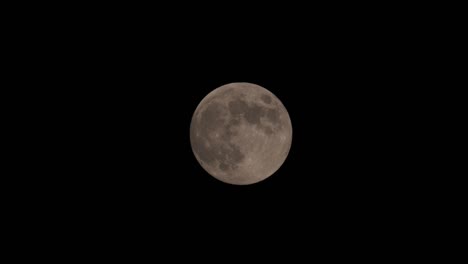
x,y
235,133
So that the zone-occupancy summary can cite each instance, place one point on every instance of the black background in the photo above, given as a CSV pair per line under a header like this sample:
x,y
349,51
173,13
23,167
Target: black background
x,y
124,89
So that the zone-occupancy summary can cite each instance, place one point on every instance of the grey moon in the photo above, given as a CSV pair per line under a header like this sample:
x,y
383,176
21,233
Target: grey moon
x,y
241,133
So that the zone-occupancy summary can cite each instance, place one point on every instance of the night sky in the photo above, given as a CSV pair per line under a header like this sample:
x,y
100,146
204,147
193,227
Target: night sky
x,y
129,96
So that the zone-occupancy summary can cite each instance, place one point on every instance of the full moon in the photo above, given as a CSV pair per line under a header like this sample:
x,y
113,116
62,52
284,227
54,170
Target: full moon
x,y
241,133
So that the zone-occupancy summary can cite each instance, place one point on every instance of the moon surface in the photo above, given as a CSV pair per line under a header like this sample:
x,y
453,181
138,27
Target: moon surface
x,y
241,133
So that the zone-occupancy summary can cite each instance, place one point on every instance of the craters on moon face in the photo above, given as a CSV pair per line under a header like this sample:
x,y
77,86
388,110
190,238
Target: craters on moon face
x,y
264,118
211,140
211,116
219,122
235,125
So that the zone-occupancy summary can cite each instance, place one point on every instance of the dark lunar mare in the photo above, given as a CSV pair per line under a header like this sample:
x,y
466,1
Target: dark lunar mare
x,y
218,126
252,113
266,98
223,151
